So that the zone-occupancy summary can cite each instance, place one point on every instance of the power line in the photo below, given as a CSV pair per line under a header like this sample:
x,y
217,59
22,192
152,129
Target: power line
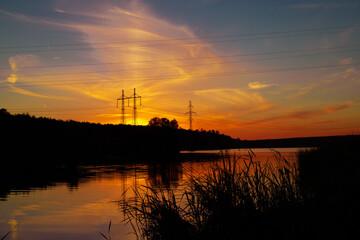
x,y
220,74
188,38
350,47
162,45
185,65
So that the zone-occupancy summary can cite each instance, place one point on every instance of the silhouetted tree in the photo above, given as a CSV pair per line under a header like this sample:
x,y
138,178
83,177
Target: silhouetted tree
x,y
174,124
4,112
163,122
155,122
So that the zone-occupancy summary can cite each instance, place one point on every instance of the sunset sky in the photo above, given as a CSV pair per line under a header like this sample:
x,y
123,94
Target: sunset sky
x,y
252,69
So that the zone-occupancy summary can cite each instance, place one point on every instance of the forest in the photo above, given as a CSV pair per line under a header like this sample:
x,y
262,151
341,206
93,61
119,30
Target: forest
x,y
29,137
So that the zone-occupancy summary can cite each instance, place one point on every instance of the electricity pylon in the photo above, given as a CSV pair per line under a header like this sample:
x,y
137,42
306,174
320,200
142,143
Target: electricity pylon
x,y
122,98
135,96
190,112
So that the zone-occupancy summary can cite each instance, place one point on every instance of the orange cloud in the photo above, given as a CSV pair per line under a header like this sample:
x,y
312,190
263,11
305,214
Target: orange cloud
x,y
12,78
260,85
162,60
302,115
338,108
33,94
234,100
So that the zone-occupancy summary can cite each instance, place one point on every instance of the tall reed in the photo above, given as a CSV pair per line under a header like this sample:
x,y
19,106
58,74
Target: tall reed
x,y
237,198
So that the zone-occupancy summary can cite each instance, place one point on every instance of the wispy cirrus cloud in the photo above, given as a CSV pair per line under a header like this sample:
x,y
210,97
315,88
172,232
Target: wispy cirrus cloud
x,y
156,55
346,79
19,61
338,107
32,19
17,64
23,60
59,11
140,40
234,99
303,114
260,85
33,94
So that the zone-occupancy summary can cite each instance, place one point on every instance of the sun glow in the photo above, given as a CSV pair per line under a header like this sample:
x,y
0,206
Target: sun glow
x,y
122,48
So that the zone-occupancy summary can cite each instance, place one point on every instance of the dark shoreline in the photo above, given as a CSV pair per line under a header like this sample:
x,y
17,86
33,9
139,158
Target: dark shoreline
x,y
297,142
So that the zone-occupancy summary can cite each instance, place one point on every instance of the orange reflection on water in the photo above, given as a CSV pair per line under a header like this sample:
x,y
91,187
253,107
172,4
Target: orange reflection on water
x,y
62,211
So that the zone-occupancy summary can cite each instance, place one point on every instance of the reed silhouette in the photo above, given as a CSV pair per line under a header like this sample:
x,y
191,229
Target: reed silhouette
x,y
234,200
315,197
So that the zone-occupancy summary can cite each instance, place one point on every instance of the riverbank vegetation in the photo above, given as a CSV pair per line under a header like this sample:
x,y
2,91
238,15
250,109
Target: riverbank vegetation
x,y
315,197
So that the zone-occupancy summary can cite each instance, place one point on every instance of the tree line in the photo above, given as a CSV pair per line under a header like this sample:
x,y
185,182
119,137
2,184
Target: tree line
x,y
31,136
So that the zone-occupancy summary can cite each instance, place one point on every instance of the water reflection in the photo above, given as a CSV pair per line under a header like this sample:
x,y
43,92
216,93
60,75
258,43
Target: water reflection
x,y
20,181
77,202
167,175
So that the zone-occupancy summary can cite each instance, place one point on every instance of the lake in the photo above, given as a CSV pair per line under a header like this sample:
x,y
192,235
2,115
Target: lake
x,y
78,202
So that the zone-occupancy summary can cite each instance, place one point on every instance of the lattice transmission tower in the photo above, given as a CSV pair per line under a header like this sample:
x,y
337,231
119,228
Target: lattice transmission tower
x,y
123,98
135,96
190,112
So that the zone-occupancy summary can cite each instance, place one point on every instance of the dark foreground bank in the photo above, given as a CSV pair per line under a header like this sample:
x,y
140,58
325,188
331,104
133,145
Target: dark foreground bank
x,y
316,198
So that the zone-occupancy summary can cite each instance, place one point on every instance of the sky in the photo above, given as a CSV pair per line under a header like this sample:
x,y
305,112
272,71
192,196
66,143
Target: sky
x,y
252,69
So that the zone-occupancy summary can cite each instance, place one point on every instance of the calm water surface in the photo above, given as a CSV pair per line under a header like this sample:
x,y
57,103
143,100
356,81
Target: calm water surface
x,y
80,204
